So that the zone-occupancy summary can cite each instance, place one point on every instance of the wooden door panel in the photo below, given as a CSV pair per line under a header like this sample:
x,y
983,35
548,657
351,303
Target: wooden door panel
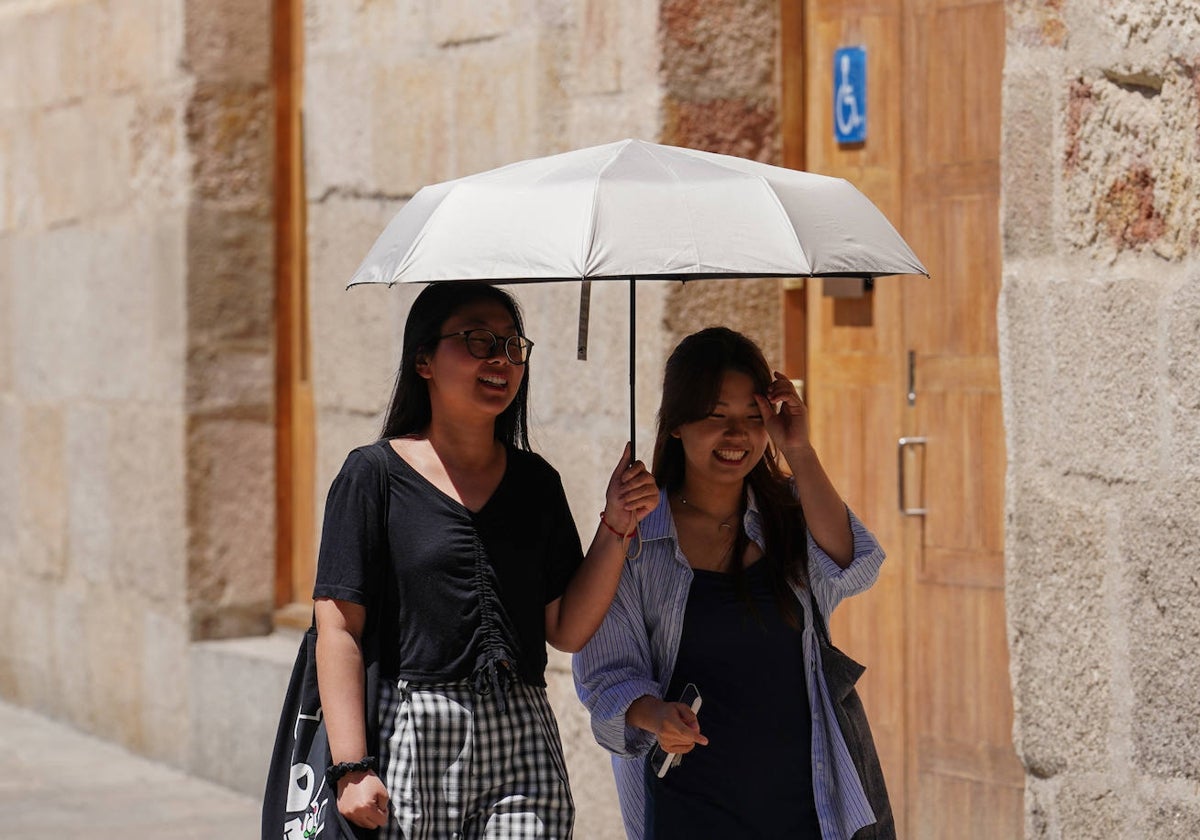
x,y
932,631
961,468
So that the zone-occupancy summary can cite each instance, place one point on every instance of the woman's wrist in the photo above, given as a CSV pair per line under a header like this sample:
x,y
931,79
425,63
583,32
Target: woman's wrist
x,y
608,525
642,713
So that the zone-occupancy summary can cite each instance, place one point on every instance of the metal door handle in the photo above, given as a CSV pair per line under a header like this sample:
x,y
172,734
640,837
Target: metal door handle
x,y
903,442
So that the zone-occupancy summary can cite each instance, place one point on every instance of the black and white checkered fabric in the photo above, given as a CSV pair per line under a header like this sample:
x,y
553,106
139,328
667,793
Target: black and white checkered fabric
x,y
461,765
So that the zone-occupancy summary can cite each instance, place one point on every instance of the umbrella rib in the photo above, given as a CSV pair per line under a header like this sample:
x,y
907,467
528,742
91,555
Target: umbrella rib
x,y
712,158
665,166
589,241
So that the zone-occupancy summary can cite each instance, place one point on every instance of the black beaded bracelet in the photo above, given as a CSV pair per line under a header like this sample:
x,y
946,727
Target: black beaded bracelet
x,y
335,771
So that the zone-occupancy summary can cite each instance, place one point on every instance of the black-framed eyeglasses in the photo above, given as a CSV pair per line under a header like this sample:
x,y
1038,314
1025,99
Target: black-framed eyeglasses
x,y
484,344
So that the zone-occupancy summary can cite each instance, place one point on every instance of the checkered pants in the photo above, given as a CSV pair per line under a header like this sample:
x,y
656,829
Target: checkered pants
x,y
459,767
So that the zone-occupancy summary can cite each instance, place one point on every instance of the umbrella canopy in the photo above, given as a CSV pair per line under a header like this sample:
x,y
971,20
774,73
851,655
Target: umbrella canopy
x,y
636,210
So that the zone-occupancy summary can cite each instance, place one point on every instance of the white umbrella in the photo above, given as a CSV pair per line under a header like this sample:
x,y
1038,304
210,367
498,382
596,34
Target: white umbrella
x,y
635,210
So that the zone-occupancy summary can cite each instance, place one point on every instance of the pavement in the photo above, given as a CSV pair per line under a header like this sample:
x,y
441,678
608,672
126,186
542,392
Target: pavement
x,y
56,782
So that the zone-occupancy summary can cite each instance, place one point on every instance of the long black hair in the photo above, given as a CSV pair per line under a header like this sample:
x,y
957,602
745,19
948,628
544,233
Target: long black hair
x,y
691,387
409,411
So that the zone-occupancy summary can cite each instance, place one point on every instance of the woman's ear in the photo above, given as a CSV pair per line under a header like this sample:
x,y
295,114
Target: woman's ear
x,y
421,364
674,433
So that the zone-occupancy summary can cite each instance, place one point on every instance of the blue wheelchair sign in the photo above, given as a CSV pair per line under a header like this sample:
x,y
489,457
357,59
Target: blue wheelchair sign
x,y
850,95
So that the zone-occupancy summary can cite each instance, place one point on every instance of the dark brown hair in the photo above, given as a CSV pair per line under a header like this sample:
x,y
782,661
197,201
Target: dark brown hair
x,y
691,386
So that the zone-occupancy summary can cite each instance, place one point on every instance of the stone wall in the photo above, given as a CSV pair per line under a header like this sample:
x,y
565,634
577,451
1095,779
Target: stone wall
x,y
1100,341
94,191
136,373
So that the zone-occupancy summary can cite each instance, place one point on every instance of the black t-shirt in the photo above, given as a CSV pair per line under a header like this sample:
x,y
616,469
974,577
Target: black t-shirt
x,y
466,590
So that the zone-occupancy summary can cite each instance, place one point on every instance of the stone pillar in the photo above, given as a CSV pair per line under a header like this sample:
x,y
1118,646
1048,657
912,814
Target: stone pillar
x,y
1100,332
722,95
230,339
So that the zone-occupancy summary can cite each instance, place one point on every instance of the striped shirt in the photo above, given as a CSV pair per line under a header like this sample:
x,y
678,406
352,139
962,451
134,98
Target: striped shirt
x,y
633,654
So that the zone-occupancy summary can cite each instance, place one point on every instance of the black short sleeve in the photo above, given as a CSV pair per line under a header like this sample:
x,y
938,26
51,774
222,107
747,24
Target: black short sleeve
x,y
566,552
352,534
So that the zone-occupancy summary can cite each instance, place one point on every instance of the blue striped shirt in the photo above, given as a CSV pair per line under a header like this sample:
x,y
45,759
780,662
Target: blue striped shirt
x,y
633,654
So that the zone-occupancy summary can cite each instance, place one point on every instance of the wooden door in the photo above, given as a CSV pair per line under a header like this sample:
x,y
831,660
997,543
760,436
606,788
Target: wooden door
x,y
932,631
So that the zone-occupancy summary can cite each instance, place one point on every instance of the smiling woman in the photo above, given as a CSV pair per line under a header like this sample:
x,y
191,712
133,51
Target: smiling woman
x,y
451,584
740,567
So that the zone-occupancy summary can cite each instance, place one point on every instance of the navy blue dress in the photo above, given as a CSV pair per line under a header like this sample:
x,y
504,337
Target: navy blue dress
x,y
754,779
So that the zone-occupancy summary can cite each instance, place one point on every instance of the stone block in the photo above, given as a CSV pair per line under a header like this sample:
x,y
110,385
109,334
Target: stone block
x,y
166,686
65,137
386,29
7,318
495,109
143,43
1159,540
597,58
1056,576
231,516
8,194
464,22
1129,137
230,278
229,40
594,120
160,168
338,122
236,694
130,343
1035,23
147,496
112,631
231,134
1182,386
410,123
34,74
1091,809
1029,157
72,674
42,477
356,333
12,417
92,494
30,641
719,49
1101,410
1173,817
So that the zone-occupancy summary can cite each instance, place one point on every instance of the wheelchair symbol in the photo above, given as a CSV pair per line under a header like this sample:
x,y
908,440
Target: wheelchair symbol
x,y
849,116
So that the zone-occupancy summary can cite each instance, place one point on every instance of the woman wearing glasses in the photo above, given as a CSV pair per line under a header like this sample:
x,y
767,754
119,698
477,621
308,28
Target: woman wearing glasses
x,y
464,571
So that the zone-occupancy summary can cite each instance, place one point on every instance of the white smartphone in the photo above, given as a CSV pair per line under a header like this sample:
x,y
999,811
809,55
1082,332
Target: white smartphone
x,y
660,760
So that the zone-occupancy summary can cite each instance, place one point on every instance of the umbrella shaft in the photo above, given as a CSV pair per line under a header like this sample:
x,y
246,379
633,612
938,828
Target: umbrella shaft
x,y
632,369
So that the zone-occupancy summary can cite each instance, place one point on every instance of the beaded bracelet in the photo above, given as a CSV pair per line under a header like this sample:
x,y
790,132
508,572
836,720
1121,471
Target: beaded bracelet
x,y
335,772
604,522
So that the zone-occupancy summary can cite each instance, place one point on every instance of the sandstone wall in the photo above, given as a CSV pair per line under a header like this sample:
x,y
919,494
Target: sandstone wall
x,y
136,373
1100,344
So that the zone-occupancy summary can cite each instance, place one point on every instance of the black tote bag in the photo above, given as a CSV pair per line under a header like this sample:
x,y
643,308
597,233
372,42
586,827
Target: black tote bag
x,y
299,804
841,673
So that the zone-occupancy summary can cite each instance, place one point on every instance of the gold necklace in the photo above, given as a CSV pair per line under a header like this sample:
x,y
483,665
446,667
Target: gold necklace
x,y
724,523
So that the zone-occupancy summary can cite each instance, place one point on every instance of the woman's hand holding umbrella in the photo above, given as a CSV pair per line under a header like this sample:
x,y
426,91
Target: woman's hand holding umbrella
x,y
631,495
